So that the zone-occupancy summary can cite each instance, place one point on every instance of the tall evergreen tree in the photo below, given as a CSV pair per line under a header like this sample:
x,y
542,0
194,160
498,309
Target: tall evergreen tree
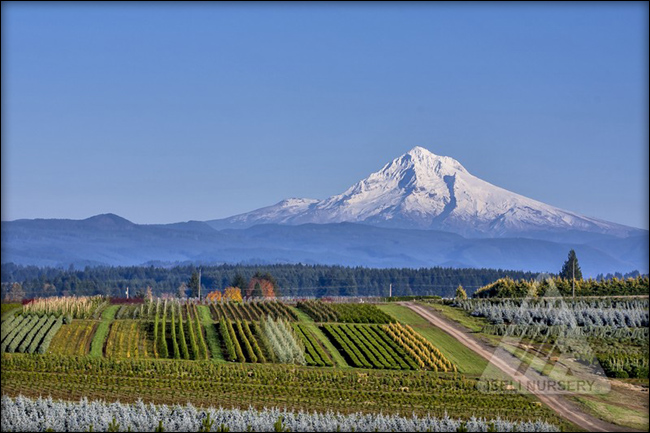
x,y
567,268
239,282
193,284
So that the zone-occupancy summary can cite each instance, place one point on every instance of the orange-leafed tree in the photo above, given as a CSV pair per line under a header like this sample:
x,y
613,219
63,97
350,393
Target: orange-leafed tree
x,y
215,295
261,287
232,294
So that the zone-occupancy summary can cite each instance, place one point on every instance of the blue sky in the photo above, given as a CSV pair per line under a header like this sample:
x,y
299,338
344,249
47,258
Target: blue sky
x,y
165,113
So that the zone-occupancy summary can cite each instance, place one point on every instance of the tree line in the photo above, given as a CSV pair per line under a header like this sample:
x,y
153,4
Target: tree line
x,y
296,280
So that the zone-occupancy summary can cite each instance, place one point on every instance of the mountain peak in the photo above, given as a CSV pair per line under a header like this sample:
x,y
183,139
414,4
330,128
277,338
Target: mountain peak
x,y
429,161
109,220
420,150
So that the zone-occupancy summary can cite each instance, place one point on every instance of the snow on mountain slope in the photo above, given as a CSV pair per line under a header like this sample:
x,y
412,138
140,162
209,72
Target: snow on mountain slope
x,y
280,213
422,190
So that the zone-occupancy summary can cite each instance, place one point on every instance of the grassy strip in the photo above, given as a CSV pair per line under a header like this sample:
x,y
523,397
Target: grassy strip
x,y
97,345
615,413
474,324
211,336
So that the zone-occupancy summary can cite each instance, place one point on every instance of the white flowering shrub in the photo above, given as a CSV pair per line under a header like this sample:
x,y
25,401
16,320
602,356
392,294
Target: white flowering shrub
x,y
22,414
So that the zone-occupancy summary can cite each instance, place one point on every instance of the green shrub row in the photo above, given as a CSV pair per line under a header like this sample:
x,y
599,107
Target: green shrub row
x,y
347,347
185,353
42,348
265,344
163,350
313,351
172,325
36,340
190,327
361,313
9,325
251,338
243,341
24,344
318,310
20,330
386,343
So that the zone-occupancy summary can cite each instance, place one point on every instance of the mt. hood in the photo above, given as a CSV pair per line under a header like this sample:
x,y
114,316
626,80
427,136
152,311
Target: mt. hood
x,y
422,190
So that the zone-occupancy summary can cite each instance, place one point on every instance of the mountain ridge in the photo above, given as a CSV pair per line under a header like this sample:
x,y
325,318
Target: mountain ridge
x,y
426,191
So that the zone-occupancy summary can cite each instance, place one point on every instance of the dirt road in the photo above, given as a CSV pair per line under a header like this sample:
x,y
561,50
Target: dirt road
x,y
509,364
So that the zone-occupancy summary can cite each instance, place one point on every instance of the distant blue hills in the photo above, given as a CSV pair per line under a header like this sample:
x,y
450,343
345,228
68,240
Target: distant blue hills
x,y
109,239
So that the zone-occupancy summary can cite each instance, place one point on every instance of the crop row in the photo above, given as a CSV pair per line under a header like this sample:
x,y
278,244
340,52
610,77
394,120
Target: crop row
x,y
314,353
367,346
251,310
79,307
74,338
626,314
129,339
360,313
29,333
132,311
636,336
178,332
259,385
239,343
345,313
25,414
282,341
419,348
318,310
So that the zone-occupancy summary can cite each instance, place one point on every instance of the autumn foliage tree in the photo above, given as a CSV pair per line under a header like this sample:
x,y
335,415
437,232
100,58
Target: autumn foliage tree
x,y
259,286
215,296
232,294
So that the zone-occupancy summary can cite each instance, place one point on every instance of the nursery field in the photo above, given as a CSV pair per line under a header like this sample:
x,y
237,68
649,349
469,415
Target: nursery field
x,y
310,355
205,383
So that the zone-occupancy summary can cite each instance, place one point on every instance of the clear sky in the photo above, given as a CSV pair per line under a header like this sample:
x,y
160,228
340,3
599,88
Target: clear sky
x,y
165,113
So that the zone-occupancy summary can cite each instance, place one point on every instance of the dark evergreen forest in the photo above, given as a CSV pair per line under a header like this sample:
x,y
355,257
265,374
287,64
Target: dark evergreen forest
x,y
295,280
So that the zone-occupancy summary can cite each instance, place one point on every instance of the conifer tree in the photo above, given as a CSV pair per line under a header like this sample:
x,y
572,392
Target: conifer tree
x,y
567,271
193,284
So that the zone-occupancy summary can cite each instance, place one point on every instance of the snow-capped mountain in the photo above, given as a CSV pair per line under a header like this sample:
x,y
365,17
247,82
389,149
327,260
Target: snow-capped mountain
x,y
419,210
422,190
